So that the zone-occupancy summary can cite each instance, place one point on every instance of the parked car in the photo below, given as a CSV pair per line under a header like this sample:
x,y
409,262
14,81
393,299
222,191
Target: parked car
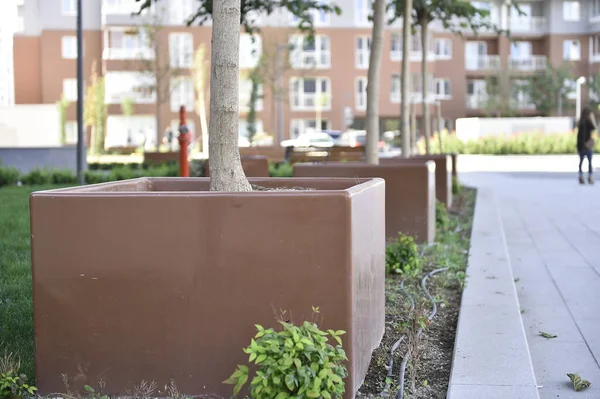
x,y
313,139
358,138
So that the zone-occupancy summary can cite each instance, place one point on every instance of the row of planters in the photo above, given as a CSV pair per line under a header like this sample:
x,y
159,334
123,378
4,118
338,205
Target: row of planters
x,y
165,288
516,144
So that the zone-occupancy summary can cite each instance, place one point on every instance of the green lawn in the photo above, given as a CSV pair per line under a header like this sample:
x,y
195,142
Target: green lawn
x,y
16,313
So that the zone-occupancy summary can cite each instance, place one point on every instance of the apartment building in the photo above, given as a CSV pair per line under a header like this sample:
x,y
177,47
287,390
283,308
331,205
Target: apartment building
x,y
323,81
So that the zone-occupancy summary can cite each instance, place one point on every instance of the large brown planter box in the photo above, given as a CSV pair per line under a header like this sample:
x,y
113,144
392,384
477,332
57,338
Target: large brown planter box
x,y
154,158
254,166
409,196
443,173
152,279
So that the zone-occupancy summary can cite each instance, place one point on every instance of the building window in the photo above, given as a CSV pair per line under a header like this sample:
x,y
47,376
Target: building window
x,y
181,50
135,130
310,53
415,46
594,9
70,89
310,94
243,130
363,50
180,11
363,11
182,93
361,94
396,88
571,11
69,7
595,48
302,126
443,49
70,132
571,50
443,89
245,92
128,84
319,17
415,91
250,50
69,47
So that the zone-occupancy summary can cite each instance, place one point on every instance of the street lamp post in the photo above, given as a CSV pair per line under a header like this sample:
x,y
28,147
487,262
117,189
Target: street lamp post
x,y
579,82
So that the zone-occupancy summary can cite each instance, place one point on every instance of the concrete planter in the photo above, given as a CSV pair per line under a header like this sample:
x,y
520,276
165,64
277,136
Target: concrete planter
x,y
254,166
410,192
443,173
152,279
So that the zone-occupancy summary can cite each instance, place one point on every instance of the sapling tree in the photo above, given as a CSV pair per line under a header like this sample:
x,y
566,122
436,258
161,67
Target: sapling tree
x,y
225,165
62,106
456,16
255,80
94,111
127,106
547,90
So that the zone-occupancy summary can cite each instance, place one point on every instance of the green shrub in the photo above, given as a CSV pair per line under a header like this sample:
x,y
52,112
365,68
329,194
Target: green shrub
x,y
296,362
402,256
197,167
456,187
63,177
442,220
94,177
9,175
37,177
283,169
13,385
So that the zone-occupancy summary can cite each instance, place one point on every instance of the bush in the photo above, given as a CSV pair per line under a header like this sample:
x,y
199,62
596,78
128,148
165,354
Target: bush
x,y
93,177
63,177
283,169
9,175
295,362
402,256
516,144
37,177
456,187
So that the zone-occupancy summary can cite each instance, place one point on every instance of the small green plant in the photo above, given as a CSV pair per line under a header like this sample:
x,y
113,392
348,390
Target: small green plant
x,y
92,394
37,177
63,177
13,385
284,169
456,187
296,362
442,220
402,256
9,175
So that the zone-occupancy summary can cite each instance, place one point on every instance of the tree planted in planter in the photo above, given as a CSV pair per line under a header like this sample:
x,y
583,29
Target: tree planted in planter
x,y
226,173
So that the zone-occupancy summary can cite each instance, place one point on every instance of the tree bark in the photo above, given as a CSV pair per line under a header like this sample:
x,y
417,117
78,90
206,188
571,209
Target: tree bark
x,y
406,30
373,80
426,117
226,173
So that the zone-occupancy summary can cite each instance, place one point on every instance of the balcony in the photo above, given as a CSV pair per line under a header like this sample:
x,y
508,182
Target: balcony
x,y
476,101
533,63
526,24
309,101
128,54
483,63
311,59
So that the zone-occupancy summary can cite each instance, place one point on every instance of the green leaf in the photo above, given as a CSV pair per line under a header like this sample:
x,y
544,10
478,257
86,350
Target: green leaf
x,y
252,357
298,363
335,378
579,384
548,335
282,395
290,382
313,394
340,332
326,394
261,359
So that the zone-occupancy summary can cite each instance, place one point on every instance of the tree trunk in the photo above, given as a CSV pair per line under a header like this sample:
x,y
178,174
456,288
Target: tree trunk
x,y
158,121
373,79
413,127
226,173
406,30
426,125
158,84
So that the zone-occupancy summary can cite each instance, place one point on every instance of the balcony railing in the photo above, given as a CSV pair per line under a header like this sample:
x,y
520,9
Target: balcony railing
x,y
476,101
308,101
415,56
311,59
525,24
594,58
533,63
483,63
128,54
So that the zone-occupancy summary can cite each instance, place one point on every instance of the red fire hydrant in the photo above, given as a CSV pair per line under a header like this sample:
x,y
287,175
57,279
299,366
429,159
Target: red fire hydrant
x,y
184,141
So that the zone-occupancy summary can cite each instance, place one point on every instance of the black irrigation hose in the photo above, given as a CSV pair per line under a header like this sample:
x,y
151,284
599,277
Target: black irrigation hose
x,y
386,390
400,394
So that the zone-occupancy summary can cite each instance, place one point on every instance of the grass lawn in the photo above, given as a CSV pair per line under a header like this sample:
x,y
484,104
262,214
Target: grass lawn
x,y
16,312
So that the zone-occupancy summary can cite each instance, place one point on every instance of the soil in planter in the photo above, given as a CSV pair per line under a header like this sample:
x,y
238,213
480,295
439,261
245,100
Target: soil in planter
x,y
261,188
436,345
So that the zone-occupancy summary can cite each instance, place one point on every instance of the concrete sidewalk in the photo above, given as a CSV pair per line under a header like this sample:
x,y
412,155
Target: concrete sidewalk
x,y
552,229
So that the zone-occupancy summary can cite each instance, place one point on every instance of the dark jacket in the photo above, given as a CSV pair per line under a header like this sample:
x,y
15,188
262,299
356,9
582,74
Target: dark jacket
x,y
584,133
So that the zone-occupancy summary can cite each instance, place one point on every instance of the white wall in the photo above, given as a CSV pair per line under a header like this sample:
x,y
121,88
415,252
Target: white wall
x,y
30,126
473,128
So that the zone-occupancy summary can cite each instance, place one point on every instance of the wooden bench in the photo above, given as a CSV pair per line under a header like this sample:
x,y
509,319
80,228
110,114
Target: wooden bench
x,y
331,154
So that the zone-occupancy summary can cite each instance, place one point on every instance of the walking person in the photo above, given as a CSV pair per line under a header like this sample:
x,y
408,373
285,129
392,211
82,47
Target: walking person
x,y
585,142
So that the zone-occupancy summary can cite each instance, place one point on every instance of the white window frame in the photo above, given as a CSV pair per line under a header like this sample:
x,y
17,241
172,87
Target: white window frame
x,y
302,124
594,10
69,7
569,54
571,10
304,98
181,50
245,92
70,132
444,44
362,53
69,89
300,58
396,95
69,47
441,83
129,84
178,87
250,50
363,9
360,96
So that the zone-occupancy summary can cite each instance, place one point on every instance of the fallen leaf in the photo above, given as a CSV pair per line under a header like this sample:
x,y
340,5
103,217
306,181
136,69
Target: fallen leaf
x,y
547,335
579,384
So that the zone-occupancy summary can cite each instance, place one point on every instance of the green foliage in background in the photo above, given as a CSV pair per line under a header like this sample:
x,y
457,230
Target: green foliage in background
x,y
402,256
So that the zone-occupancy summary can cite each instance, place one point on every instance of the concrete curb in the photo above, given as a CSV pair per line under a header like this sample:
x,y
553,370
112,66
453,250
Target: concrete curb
x,y
491,355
